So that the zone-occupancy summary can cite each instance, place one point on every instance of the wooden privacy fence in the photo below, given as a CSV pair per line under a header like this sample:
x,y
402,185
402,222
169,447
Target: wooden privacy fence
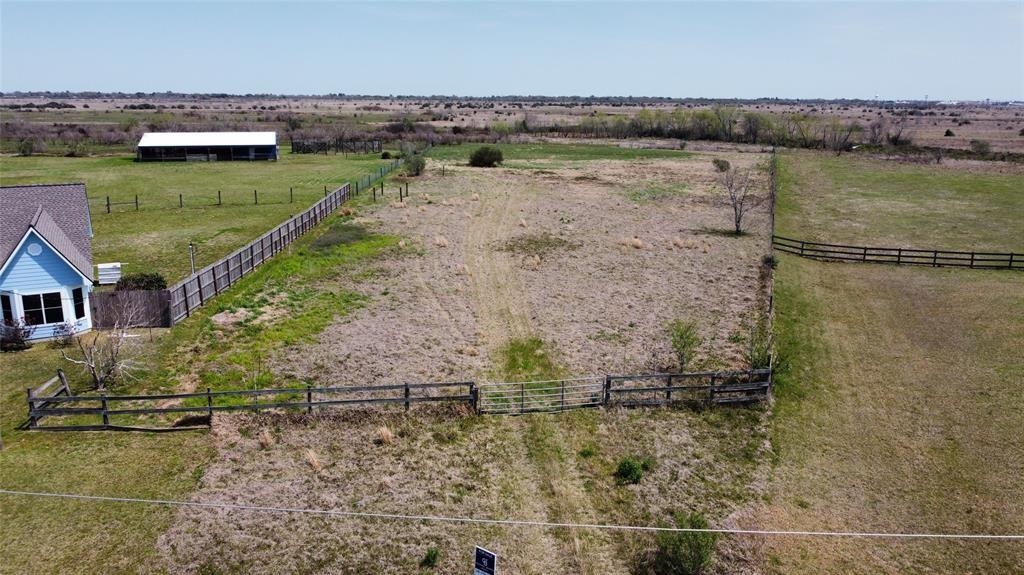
x,y
97,412
151,308
900,256
196,289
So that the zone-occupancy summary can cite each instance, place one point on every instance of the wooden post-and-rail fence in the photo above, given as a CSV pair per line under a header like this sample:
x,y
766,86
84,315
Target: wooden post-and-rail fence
x,y
900,256
94,412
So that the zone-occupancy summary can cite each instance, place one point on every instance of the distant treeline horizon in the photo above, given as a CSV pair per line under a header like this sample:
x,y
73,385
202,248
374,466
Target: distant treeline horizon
x,y
586,100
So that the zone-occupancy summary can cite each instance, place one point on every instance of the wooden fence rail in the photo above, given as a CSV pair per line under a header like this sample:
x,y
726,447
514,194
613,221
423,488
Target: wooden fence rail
x,y
508,398
900,256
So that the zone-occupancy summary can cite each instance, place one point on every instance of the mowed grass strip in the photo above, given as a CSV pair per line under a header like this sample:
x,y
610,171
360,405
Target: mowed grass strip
x,y
156,238
899,407
862,201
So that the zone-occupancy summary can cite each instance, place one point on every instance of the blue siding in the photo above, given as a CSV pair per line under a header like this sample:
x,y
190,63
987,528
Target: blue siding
x,y
46,272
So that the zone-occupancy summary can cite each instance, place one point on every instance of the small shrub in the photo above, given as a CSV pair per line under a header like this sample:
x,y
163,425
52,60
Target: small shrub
x,y
63,335
141,281
385,155
486,157
631,469
686,552
769,261
415,164
430,559
981,147
588,451
721,165
266,439
27,147
685,341
14,335
949,133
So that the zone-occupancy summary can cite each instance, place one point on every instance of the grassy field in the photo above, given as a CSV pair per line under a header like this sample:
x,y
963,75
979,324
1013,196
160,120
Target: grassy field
x,y
156,238
520,154
902,407
870,202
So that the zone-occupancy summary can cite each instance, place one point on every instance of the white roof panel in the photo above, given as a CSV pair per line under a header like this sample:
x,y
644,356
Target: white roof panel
x,y
182,139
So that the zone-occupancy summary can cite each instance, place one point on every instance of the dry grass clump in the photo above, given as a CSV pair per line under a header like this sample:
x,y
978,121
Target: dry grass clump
x,y
441,241
402,244
347,211
399,205
426,198
313,461
533,262
462,270
522,223
475,197
633,242
684,244
266,439
385,436
423,209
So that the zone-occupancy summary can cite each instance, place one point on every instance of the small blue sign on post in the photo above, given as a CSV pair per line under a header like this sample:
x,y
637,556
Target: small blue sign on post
x,y
485,562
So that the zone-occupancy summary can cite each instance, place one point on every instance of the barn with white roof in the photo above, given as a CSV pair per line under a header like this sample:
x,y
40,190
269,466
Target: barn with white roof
x,y
207,146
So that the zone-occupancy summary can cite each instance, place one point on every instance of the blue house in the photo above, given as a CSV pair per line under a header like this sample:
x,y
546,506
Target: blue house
x,y
45,257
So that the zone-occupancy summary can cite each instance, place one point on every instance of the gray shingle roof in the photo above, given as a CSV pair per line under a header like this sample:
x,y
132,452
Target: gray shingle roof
x,y
58,212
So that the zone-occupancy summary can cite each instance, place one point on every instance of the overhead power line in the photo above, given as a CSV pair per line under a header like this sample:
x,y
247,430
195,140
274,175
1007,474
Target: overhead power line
x,y
510,522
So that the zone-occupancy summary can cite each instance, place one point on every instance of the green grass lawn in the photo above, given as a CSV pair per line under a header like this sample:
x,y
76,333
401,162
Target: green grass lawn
x,y
862,201
78,536
156,238
901,407
559,152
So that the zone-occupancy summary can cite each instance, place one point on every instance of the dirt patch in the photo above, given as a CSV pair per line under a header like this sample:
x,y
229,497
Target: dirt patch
x,y
228,319
524,257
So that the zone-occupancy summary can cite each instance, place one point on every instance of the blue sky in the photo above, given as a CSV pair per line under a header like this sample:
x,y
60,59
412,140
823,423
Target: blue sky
x,y
897,50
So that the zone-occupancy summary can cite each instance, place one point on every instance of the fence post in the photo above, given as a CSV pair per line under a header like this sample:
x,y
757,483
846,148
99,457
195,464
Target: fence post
x,y
407,396
103,403
291,195
474,397
255,198
668,384
563,391
935,258
309,398
972,260
864,256
209,405
607,389
108,204
802,248
136,202
899,256
522,397
218,198
1009,264
31,408
711,390
181,201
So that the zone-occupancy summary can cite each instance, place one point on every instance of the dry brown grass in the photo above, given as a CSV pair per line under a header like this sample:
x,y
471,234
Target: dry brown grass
x,y
385,436
312,460
266,439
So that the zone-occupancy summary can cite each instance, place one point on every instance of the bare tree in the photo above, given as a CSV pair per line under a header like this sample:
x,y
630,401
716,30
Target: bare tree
x,y
108,356
737,184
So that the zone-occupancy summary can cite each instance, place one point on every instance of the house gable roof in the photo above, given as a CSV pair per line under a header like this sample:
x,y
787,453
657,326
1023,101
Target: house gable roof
x,y
58,213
